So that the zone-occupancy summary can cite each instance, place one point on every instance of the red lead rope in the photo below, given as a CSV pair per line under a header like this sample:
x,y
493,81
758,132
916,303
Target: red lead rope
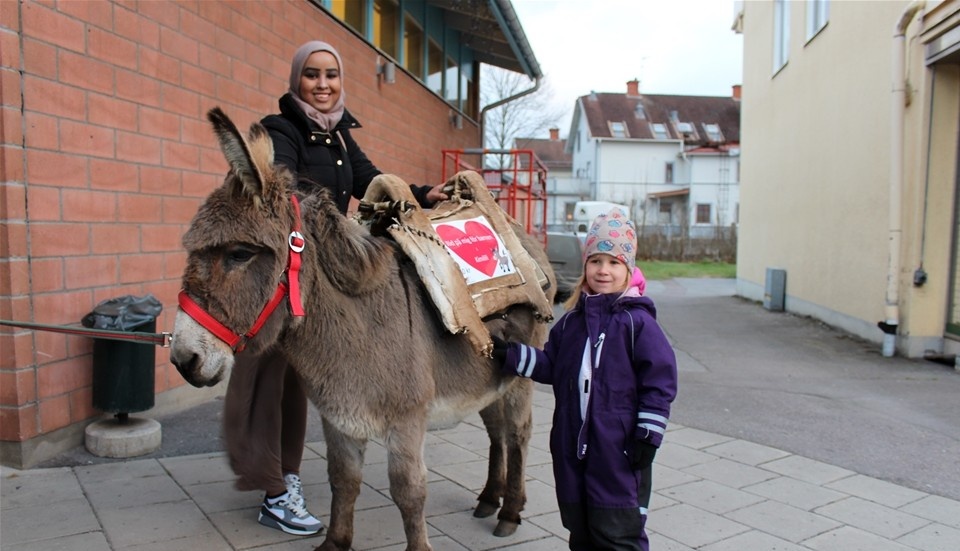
x,y
235,341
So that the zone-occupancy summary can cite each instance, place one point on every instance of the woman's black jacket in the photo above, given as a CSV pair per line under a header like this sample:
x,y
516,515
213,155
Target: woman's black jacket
x,y
323,160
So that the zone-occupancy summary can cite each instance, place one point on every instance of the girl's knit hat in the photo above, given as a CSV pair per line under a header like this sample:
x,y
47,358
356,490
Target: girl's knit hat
x,y
613,234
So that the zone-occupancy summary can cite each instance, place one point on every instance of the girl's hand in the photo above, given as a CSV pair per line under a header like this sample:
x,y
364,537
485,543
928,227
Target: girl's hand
x,y
500,347
640,454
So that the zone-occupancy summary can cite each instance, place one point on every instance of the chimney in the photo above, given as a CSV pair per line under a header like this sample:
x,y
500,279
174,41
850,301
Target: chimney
x,y
554,134
633,87
736,92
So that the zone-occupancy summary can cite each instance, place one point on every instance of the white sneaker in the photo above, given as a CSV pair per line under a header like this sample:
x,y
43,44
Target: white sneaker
x,y
287,513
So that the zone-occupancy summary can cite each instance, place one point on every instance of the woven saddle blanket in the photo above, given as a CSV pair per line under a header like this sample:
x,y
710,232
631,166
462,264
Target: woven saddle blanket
x,y
465,249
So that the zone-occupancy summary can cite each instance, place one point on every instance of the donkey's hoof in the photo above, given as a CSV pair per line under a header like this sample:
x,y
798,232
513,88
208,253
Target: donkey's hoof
x,y
505,528
329,545
485,509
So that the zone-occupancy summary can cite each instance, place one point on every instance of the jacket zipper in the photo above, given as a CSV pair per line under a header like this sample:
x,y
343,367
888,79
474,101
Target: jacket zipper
x,y
598,347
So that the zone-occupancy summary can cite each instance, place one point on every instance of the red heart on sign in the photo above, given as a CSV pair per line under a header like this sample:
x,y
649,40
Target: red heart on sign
x,y
475,245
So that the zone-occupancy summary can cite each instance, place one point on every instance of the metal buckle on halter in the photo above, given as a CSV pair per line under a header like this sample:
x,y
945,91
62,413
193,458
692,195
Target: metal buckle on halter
x,y
296,241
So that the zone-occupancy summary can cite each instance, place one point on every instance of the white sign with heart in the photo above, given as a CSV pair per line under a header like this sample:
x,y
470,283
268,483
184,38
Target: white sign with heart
x,y
476,248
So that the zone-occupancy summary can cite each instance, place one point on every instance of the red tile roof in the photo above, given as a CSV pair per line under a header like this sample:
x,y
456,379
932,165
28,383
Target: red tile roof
x,y
550,152
603,108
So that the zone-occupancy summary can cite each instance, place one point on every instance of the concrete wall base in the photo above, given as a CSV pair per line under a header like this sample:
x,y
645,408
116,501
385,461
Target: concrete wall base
x,y
906,346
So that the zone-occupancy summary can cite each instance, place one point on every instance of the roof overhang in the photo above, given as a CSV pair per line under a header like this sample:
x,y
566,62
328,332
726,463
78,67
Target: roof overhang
x,y
671,193
492,30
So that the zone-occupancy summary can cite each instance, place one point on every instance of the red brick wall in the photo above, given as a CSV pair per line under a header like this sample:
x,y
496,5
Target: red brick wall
x,y
105,155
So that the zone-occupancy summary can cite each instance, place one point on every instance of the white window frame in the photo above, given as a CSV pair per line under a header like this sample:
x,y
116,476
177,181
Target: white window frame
x,y
654,126
713,131
818,13
781,34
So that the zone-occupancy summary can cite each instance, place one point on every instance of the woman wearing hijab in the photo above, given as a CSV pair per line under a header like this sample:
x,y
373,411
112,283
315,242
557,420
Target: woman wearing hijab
x,y
265,408
311,135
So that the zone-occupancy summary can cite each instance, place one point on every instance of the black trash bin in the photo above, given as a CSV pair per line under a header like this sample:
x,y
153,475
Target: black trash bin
x,y
123,372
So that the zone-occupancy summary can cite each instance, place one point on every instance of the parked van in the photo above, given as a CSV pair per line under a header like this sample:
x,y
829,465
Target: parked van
x,y
584,213
565,251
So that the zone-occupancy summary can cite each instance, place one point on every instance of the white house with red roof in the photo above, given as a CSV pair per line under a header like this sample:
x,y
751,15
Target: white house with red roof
x,y
674,159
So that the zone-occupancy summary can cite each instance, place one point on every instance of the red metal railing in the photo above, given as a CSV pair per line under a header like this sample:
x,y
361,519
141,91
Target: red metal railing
x,y
520,187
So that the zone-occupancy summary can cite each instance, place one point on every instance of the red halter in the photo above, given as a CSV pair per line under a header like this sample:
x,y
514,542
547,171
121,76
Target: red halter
x,y
236,342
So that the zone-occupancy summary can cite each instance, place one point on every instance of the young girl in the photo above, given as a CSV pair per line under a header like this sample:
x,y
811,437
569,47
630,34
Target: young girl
x,y
614,376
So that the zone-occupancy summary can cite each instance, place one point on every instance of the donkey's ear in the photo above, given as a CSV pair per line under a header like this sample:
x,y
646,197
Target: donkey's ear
x,y
261,148
237,153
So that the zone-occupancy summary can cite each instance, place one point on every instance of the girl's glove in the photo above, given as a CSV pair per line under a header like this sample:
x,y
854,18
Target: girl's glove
x,y
640,454
500,347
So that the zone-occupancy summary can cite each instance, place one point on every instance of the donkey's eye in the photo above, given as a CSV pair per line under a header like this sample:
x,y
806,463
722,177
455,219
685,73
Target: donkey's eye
x,y
240,255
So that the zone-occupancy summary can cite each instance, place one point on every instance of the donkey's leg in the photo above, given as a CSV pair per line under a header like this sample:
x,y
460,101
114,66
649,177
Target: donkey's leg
x,y
344,467
518,424
494,421
408,478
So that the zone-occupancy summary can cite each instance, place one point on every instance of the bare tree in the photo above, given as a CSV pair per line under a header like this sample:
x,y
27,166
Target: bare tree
x,y
526,117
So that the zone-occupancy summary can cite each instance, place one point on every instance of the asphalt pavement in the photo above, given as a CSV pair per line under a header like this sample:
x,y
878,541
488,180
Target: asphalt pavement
x,y
793,383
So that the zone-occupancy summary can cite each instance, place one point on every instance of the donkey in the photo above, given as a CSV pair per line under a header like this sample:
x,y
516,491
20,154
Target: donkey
x,y
350,313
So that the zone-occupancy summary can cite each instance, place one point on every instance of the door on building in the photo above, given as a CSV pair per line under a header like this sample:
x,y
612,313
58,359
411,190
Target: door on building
x,y
953,316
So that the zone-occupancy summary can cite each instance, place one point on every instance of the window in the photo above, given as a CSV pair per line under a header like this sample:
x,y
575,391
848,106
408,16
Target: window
x,y
468,95
781,33
713,132
435,67
703,213
818,11
386,24
452,79
665,215
412,46
639,112
352,13
686,130
659,131
668,176
618,129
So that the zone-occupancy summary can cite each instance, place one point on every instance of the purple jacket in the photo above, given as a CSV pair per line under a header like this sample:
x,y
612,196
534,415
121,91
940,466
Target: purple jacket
x,y
633,381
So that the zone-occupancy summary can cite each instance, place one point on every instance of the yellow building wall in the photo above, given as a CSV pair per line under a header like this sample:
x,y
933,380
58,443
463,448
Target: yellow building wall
x,y
815,185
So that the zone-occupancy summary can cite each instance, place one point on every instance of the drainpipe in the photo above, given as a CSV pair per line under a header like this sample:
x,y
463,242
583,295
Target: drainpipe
x,y
897,106
498,103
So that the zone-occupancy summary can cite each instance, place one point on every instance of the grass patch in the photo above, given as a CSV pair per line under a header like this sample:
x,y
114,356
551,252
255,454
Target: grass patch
x,y
659,270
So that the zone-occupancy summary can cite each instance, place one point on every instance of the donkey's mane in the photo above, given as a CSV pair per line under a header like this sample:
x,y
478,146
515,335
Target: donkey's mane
x,y
354,260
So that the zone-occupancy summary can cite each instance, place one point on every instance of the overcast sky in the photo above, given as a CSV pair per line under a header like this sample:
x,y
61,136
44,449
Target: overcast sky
x,y
680,47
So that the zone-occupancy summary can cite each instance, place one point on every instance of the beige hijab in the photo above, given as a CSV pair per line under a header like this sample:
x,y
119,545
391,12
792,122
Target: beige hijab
x,y
327,121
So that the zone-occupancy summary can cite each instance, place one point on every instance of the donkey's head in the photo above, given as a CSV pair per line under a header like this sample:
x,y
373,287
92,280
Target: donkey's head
x,y
237,251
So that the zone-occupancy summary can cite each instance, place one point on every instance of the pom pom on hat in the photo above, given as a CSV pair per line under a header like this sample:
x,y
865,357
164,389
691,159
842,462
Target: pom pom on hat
x,y
613,234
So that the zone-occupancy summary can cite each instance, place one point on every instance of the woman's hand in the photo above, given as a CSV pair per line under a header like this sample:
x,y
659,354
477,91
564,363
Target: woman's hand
x,y
436,194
